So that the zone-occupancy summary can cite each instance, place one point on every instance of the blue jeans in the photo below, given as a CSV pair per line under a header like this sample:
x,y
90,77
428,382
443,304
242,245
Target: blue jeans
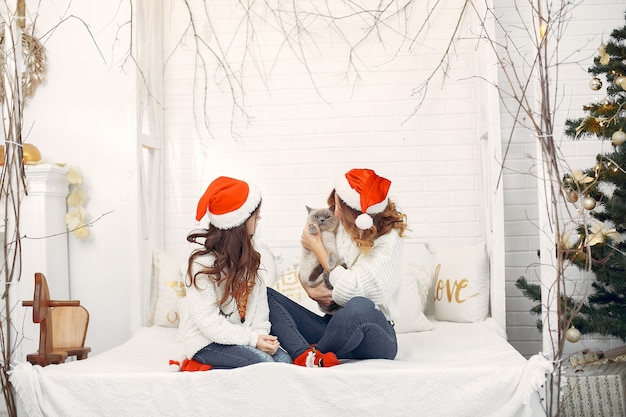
x,y
236,356
358,330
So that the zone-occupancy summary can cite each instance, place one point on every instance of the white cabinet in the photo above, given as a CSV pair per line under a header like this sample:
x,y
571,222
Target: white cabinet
x,y
42,225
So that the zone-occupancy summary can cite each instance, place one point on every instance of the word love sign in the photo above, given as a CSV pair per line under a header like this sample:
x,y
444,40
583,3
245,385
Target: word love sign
x,y
451,290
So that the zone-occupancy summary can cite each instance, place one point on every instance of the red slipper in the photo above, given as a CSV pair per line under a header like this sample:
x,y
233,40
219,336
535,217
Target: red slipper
x,y
313,358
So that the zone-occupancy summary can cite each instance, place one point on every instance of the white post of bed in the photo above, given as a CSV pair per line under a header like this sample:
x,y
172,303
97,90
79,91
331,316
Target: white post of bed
x,y
491,170
548,275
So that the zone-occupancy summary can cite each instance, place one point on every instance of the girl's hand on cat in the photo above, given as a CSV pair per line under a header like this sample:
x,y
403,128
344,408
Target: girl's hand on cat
x,y
267,343
321,294
311,241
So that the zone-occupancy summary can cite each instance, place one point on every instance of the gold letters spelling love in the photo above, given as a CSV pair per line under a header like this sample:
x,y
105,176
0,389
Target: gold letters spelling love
x,y
452,289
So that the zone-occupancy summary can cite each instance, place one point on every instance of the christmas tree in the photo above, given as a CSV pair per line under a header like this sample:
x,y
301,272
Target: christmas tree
x,y
601,192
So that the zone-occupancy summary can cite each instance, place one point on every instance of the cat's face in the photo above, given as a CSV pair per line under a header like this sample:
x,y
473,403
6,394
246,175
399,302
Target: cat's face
x,y
323,217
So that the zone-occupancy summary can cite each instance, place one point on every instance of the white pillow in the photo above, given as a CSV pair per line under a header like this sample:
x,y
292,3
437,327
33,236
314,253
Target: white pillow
x,y
417,282
462,283
289,285
267,269
168,272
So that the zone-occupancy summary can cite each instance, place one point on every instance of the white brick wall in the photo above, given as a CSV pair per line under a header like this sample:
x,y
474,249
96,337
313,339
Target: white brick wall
x,y
299,138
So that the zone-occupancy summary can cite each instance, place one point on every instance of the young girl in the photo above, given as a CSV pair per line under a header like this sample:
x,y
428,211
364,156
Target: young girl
x,y
366,285
226,324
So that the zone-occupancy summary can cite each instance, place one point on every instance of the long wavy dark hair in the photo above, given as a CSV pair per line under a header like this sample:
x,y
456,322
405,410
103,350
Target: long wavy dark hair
x,y
390,218
236,260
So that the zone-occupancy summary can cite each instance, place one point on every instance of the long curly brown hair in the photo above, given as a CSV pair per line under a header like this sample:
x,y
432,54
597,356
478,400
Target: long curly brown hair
x,y
236,260
390,218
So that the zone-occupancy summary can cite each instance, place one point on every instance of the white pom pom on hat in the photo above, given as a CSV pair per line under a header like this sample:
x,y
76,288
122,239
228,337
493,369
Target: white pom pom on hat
x,y
228,202
364,221
363,190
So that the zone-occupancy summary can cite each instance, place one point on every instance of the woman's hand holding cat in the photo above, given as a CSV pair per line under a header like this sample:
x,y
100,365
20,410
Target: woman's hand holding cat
x,y
267,343
313,242
321,294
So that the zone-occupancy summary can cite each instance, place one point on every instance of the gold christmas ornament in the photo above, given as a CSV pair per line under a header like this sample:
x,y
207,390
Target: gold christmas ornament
x,y
31,153
619,81
595,84
589,203
572,196
618,138
572,335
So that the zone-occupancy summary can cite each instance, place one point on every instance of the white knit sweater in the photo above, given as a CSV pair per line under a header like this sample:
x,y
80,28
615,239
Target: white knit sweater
x,y
203,321
375,275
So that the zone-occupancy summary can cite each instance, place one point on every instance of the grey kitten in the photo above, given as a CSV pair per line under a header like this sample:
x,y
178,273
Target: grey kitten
x,y
311,272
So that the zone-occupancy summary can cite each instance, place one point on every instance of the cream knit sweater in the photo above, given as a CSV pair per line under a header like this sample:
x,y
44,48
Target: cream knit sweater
x,y
375,275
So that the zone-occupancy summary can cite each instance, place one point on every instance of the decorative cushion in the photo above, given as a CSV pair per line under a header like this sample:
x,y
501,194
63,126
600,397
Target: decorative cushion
x,y
267,270
168,273
462,283
417,282
289,285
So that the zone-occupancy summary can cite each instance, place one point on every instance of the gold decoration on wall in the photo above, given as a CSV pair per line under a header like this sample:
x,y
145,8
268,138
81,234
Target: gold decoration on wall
x,y
34,58
34,64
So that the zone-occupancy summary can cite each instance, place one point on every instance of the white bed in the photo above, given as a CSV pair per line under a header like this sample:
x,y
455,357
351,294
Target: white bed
x,y
455,369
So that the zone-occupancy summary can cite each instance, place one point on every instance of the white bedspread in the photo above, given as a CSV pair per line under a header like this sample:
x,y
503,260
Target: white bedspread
x,y
455,370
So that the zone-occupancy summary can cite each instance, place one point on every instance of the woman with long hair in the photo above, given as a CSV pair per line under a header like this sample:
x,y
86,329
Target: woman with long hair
x,y
225,322
366,283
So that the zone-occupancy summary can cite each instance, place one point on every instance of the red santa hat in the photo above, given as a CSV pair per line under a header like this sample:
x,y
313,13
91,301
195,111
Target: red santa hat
x,y
228,202
363,190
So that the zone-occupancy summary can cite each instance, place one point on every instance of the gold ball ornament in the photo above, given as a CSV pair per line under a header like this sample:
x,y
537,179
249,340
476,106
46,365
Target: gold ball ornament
x,y
572,335
618,137
31,153
619,81
572,196
589,203
595,84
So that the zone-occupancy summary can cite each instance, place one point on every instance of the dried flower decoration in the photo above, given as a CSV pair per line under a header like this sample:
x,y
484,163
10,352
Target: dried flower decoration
x,y
34,64
599,232
77,216
581,178
567,240
604,56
